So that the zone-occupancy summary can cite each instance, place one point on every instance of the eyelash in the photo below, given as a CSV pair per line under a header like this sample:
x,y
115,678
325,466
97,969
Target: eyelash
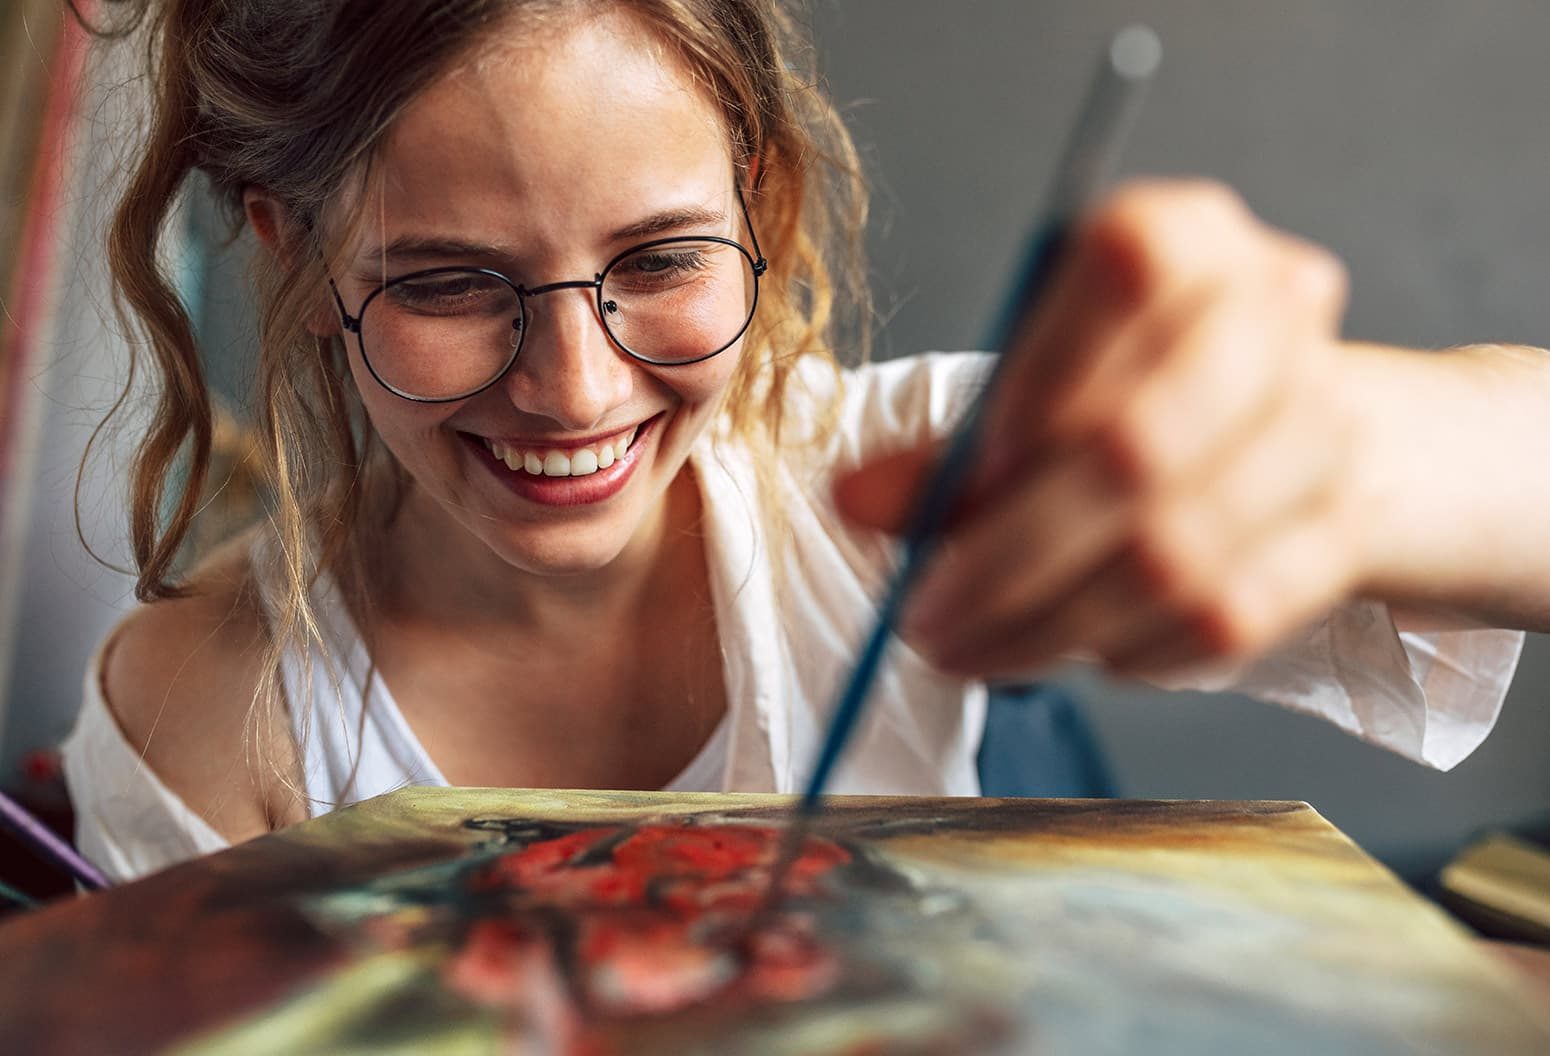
x,y
677,262
433,292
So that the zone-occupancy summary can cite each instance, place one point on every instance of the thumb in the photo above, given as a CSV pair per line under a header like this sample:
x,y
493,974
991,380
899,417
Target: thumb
x,y
882,492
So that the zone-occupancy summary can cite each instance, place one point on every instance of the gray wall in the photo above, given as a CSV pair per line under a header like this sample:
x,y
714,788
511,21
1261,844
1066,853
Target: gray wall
x,y
1408,136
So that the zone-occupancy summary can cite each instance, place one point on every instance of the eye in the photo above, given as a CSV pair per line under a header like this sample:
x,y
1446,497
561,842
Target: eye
x,y
660,267
451,293
680,260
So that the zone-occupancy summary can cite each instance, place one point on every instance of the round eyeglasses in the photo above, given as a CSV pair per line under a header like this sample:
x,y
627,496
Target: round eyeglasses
x,y
448,333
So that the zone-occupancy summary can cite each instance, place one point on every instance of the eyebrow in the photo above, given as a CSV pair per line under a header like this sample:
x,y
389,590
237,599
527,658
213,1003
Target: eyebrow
x,y
420,247
670,220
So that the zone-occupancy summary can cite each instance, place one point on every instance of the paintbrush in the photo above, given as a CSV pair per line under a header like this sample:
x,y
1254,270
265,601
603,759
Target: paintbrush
x,y
49,847
1126,68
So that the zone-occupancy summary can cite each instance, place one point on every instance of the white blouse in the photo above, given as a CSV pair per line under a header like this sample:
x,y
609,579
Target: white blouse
x,y
789,628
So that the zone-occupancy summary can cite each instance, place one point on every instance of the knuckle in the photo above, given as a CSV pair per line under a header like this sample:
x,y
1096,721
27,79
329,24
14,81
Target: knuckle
x,y
1135,452
1232,624
1318,278
1202,197
1168,554
1213,205
1131,246
1147,234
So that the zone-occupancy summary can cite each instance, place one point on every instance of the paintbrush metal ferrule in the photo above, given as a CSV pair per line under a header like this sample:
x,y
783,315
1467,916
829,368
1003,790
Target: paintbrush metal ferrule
x,y
1127,66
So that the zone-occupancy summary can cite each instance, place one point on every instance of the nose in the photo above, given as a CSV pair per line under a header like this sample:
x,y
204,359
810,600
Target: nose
x,y
568,370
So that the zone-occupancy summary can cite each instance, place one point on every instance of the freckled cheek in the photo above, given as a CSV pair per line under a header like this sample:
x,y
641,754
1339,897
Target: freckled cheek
x,y
414,434
410,430
697,386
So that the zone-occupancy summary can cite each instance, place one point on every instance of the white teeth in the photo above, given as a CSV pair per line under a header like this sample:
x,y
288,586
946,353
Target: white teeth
x,y
579,462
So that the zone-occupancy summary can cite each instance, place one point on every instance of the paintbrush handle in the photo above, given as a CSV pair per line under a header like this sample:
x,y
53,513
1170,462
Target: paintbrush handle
x,y
1127,67
49,846
1090,154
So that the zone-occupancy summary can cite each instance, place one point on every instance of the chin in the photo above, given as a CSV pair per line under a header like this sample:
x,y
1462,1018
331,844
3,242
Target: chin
x,y
562,551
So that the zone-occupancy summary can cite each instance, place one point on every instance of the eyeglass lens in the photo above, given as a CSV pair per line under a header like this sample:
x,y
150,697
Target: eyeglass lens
x,y
451,332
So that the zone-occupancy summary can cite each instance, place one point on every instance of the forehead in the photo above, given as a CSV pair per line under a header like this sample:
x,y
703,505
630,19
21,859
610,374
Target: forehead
x,y
553,124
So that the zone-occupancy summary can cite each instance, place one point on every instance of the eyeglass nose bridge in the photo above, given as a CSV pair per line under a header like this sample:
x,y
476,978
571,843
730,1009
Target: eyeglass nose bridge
x,y
595,283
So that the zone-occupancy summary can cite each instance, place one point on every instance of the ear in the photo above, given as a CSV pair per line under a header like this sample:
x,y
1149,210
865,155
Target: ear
x,y
270,220
283,236
754,166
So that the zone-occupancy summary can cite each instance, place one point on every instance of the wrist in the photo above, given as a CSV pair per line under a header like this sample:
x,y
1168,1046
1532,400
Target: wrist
x,y
1438,512
1377,507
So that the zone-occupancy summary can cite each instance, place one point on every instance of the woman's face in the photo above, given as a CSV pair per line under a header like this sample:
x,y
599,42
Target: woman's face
x,y
543,161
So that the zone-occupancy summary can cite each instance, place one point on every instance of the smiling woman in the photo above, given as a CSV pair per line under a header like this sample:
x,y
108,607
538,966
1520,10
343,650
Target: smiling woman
x,y
511,277
550,296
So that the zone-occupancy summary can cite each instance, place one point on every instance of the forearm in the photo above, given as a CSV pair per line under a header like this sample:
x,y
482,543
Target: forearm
x,y
1453,518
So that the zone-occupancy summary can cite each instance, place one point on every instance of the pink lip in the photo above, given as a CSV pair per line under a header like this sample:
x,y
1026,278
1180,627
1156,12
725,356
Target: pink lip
x,y
567,491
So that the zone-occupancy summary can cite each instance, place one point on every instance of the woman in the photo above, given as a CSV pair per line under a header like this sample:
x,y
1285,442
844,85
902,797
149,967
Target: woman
x,y
549,397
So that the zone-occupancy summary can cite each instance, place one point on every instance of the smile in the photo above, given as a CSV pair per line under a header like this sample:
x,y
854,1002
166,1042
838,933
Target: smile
x,y
565,474
573,462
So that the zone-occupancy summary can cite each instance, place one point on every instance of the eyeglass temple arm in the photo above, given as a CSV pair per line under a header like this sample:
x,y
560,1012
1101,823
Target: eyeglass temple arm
x,y
351,323
760,265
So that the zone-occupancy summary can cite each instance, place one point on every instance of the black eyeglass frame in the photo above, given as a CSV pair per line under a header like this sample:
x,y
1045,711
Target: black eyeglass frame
x,y
756,261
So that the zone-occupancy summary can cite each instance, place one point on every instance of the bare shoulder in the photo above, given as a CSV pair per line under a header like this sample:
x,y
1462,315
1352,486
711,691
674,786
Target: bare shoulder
x,y
179,676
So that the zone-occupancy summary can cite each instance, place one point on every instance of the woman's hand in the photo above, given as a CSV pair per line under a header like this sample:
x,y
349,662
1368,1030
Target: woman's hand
x,y
1167,474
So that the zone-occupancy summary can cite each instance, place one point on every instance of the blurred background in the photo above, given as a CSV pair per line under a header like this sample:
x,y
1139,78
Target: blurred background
x,y
1407,135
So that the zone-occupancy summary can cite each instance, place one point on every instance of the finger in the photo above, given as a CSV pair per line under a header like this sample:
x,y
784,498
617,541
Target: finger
x,y
1212,359
1016,557
1171,567
1285,585
1290,472
1295,578
1143,262
1100,607
1239,431
1163,435
1016,551
1312,282
1218,377
1144,245
882,494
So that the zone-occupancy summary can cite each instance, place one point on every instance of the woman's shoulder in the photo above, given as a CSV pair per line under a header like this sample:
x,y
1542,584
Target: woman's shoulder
x,y
180,675
208,629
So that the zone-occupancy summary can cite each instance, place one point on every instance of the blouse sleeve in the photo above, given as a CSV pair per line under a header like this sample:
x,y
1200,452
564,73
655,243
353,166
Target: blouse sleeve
x,y
127,822
1430,697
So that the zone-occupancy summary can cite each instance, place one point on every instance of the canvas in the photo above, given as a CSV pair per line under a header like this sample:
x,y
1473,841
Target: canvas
x,y
484,921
